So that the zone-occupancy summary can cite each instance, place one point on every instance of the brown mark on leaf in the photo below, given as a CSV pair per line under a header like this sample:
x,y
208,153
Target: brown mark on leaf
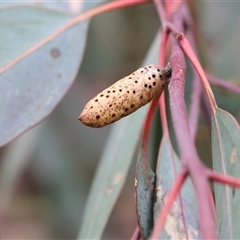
x,y
117,178
55,52
59,75
233,156
233,192
109,190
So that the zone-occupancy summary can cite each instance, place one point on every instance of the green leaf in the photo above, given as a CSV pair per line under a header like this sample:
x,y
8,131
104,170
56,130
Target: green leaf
x,y
114,166
31,88
168,167
144,194
226,159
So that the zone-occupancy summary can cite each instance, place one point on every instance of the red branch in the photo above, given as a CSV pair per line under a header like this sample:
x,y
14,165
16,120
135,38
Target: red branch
x,y
188,152
224,84
218,177
147,124
184,43
185,129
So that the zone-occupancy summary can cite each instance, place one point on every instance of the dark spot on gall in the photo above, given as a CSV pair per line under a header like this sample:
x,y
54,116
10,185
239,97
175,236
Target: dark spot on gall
x,y
130,78
136,81
132,106
141,71
107,96
120,90
126,109
96,100
127,91
163,85
158,70
101,95
141,97
145,85
149,78
110,105
154,83
150,86
108,91
160,76
113,115
149,66
91,106
97,117
153,76
113,91
134,92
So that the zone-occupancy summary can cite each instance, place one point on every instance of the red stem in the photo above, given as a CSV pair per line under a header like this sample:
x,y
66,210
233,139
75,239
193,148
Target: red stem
x,y
184,43
224,179
162,55
187,149
148,121
136,234
199,173
224,84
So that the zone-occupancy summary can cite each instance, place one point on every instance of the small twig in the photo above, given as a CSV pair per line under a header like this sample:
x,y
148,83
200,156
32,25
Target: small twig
x,y
224,84
224,179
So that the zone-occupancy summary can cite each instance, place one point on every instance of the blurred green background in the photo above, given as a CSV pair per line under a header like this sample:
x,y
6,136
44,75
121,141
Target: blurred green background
x,y
54,163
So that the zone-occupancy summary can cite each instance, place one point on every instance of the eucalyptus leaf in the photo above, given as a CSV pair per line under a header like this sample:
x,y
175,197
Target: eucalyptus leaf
x,y
226,159
144,194
31,88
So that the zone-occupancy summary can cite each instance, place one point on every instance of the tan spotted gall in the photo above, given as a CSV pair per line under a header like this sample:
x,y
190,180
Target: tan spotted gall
x,y
126,96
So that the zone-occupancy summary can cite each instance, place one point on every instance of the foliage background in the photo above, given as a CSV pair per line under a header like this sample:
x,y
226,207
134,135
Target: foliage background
x,y
62,154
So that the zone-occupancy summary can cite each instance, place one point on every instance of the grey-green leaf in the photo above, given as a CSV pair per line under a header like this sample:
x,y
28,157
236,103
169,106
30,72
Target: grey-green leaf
x,y
144,195
226,159
31,88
